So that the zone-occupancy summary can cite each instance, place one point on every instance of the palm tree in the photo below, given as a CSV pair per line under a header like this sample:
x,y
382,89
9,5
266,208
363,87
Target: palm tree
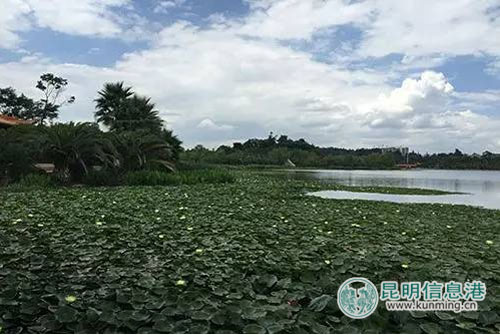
x,y
74,147
142,149
175,143
120,109
111,100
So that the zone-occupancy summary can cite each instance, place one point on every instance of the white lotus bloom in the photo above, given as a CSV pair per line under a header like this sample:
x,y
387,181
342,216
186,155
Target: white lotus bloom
x,y
70,298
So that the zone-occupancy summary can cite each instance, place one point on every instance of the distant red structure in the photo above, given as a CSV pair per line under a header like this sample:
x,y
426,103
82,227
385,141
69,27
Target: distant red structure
x,y
9,121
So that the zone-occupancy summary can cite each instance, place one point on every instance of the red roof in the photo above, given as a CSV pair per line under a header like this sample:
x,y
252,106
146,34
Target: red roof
x,y
13,121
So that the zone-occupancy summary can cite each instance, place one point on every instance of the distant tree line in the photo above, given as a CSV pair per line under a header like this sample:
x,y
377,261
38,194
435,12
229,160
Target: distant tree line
x,y
277,150
458,160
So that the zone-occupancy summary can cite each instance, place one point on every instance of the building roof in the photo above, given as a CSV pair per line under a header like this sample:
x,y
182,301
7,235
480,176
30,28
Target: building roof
x,y
13,121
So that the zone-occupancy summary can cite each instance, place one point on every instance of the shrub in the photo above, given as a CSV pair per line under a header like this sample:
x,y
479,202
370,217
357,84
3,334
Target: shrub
x,y
74,147
104,177
140,150
151,178
35,181
19,146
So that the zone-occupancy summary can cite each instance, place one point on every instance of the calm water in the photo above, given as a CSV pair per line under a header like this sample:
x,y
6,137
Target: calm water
x,y
482,187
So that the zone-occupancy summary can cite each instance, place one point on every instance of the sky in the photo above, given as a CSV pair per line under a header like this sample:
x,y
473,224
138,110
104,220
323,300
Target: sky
x,y
344,73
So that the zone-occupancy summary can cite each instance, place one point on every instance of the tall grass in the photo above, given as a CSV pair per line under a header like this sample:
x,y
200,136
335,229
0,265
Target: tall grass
x,y
102,178
157,178
31,181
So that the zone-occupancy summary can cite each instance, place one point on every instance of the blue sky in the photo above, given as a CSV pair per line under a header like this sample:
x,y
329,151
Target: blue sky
x,y
337,72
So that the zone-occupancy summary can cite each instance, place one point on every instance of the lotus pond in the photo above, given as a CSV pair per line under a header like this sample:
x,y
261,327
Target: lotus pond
x,y
253,256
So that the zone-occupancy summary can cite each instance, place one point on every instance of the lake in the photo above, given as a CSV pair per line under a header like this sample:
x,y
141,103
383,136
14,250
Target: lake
x,y
482,188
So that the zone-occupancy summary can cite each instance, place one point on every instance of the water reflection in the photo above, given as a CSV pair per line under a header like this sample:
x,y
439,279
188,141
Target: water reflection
x,y
483,187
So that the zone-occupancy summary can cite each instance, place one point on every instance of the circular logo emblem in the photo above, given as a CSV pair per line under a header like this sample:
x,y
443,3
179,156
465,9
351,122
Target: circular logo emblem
x,y
357,298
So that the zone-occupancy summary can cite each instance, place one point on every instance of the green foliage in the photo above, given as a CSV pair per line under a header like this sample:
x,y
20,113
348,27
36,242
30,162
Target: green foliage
x,y
119,108
276,151
158,178
74,147
35,180
151,178
51,87
47,108
19,106
14,162
458,160
137,140
103,177
174,142
234,258
19,149
142,149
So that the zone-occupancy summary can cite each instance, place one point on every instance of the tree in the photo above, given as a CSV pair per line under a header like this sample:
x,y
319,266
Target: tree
x,y
111,102
47,108
19,106
52,87
20,147
119,108
74,147
175,144
141,149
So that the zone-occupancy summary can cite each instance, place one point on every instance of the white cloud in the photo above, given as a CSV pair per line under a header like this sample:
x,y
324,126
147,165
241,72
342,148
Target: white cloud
x,y
420,62
299,19
425,32
420,111
487,101
210,125
494,68
216,84
87,17
97,18
427,27
12,20
163,6
412,103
